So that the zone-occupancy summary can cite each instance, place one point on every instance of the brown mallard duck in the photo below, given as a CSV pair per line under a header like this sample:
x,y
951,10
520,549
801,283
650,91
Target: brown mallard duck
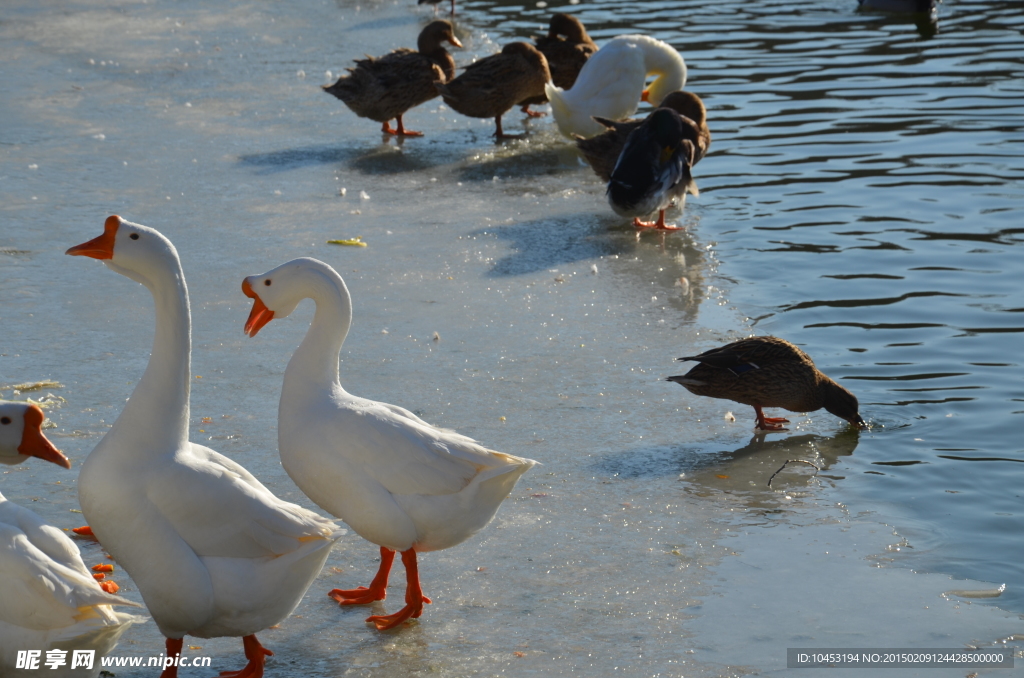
x,y
602,151
565,55
653,170
768,372
386,87
492,86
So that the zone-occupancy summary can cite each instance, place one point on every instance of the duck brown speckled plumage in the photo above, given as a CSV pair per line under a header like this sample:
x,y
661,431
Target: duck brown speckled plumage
x,y
566,55
385,88
768,372
492,86
603,150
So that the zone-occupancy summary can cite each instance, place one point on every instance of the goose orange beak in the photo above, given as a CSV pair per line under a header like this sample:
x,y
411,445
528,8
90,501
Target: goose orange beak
x,y
101,247
35,444
260,315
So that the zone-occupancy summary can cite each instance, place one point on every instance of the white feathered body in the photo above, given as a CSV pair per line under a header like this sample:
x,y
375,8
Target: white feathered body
x,y
392,477
49,599
212,551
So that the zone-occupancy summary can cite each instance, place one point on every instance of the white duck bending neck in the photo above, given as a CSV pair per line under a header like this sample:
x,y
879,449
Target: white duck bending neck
x,y
158,409
662,60
315,363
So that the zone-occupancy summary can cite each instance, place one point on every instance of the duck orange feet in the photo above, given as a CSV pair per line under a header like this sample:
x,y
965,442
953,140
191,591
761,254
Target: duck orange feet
x,y
659,224
385,622
256,654
414,598
400,130
84,531
769,423
378,587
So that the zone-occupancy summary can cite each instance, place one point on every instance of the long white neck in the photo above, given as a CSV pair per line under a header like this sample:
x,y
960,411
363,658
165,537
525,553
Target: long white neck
x,y
157,413
662,60
314,367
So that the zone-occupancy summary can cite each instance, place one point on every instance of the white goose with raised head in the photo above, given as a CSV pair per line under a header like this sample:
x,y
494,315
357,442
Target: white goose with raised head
x,y
213,551
396,480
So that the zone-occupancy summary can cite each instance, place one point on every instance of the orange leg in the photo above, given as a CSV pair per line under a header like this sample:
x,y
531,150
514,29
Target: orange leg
x,y
658,225
402,132
173,650
532,114
414,598
453,7
769,423
377,590
399,131
256,654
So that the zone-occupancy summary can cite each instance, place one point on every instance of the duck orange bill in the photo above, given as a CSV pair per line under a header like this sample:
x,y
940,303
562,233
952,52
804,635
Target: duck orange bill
x,y
35,444
260,315
101,247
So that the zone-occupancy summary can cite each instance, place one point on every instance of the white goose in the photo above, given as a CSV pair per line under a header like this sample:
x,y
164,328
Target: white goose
x,y
48,600
213,551
611,83
395,479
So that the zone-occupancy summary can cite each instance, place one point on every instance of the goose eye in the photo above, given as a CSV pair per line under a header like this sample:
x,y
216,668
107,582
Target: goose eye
x,y
5,420
267,282
134,236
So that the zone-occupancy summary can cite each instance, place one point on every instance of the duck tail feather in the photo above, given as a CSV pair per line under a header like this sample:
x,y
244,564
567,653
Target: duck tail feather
x,y
559,107
683,380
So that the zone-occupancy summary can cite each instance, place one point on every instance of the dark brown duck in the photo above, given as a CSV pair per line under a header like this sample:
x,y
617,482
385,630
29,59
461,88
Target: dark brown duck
x,y
602,151
492,86
768,372
384,88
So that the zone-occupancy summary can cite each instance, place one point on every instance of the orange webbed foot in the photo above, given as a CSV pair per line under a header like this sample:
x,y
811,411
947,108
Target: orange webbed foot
x,y
385,622
390,621
776,420
377,589
769,423
401,131
659,225
83,531
414,598
532,114
256,654
357,596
